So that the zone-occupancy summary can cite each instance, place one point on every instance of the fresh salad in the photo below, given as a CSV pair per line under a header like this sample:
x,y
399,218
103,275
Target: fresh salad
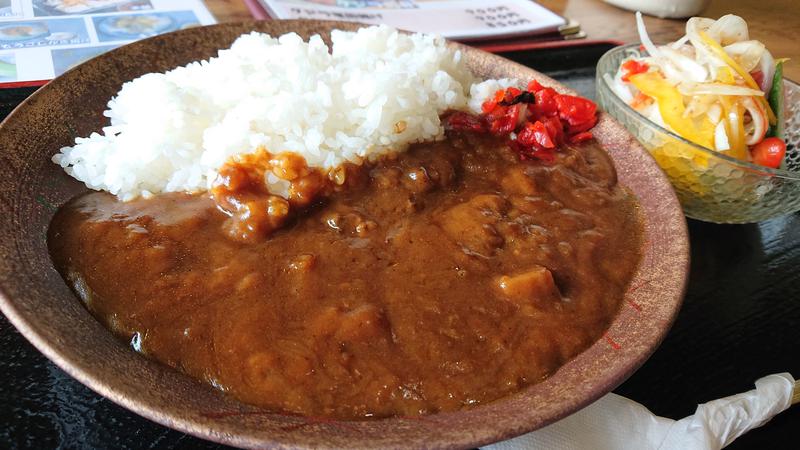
x,y
714,86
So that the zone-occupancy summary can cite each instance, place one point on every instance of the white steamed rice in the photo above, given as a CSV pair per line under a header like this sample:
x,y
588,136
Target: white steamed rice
x,y
171,131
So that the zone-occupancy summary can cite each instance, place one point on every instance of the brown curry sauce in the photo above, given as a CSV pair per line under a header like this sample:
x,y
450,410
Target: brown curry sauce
x,y
443,277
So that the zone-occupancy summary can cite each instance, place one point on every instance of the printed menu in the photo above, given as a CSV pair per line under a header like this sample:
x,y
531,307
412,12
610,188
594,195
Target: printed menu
x,y
41,39
453,19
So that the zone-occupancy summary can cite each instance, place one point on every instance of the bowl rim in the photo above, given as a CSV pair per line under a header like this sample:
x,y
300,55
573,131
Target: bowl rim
x,y
665,295
743,165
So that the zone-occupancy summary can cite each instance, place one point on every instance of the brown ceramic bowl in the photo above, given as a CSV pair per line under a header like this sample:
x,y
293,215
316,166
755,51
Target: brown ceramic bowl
x,y
42,307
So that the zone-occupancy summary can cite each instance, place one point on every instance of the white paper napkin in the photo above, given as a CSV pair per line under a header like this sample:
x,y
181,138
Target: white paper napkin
x,y
614,422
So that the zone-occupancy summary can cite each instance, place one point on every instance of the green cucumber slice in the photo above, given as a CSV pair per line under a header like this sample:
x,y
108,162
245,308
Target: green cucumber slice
x,y
776,102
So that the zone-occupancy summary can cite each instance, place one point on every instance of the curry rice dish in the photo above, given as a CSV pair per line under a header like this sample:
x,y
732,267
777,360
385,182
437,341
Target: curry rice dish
x,y
451,274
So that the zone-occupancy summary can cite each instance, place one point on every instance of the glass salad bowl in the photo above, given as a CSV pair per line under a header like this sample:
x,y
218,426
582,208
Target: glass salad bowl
x,y
711,186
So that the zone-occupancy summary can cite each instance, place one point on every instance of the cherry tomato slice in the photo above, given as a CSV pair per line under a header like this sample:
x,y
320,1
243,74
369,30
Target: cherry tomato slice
x,y
769,152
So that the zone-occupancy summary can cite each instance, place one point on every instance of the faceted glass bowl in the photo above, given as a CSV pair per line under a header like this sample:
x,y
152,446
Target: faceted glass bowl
x,y
711,186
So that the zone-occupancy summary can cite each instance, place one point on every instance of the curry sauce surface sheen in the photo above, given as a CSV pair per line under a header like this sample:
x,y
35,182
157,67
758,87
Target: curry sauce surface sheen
x,y
449,276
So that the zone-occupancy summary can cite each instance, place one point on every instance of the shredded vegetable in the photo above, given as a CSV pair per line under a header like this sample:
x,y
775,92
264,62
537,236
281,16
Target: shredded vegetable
x,y
671,107
715,86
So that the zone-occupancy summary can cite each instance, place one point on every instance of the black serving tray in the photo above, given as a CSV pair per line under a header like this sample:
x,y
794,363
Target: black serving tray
x,y
740,321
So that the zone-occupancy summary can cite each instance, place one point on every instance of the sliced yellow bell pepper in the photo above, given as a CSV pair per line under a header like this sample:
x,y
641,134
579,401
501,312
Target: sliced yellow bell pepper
x,y
739,70
670,105
724,75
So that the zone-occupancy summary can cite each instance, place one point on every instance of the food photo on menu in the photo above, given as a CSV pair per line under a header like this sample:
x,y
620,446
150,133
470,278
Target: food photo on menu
x,y
61,7
502,224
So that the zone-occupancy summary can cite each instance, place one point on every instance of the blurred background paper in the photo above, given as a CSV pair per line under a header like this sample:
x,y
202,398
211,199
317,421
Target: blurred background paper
x,y
616,423
453,19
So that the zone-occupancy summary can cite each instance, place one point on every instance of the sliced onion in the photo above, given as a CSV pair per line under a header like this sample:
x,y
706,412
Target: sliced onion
x,y
645,38
652,112
698,105
689,67
689,88
687,51
721,138
714,113
680,42
759,122
703,54
746,53
729,29
697,24
733,122
618,88
671,73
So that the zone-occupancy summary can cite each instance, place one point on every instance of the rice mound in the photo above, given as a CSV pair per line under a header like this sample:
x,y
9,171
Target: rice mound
x,y
376,91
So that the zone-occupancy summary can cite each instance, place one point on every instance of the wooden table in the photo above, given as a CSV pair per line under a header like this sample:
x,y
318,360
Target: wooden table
x,y
776,23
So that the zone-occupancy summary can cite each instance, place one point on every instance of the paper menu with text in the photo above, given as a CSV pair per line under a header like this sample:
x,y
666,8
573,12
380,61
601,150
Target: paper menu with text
x,y
453,19
41,39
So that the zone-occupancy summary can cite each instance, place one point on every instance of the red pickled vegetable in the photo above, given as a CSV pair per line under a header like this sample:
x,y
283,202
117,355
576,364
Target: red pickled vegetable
x,y
550,120
579,113
462,121
505,123
489,105
511,94
535,135
632,67
534,86
555,129
580,137
545,105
